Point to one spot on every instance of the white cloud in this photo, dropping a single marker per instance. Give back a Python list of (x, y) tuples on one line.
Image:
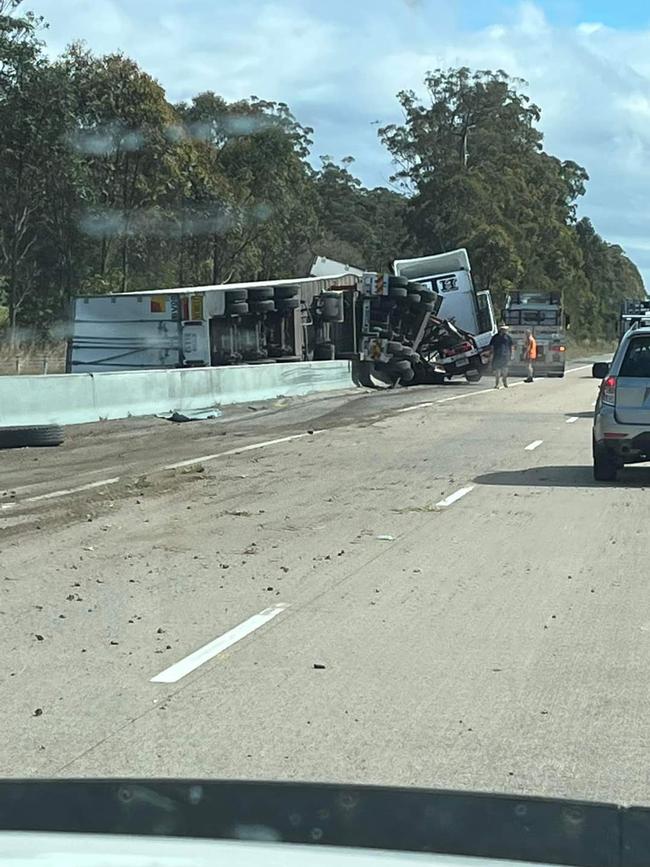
[(340, 64)]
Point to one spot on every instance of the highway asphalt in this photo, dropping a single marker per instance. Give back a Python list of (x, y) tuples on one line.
[(420, 587)]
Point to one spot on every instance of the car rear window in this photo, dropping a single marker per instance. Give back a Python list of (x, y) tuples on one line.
[(637, 358)]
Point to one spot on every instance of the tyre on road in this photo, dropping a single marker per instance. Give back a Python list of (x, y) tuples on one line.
[(237, 308), (266, 306), (605, 464), (40, 435), (473, 376)]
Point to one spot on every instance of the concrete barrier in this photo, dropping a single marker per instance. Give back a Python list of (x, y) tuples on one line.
[(76, 398)]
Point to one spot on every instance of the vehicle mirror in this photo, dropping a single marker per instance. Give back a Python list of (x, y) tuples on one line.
[(600, 369)]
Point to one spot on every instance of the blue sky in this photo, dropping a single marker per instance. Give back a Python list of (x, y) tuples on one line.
[(339, 64)]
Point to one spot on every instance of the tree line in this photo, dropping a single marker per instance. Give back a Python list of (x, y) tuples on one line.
[(108, 186)]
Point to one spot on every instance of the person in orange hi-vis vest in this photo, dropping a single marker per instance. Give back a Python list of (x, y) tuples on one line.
[(530, 354)]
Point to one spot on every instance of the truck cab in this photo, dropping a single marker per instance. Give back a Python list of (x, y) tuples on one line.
[(543, 315), (450, 276)]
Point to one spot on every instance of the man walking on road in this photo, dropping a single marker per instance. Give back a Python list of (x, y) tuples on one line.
[(530, 354), (501, 345)]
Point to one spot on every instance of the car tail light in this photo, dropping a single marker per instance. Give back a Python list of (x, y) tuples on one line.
[(463, 347), (608, 390)]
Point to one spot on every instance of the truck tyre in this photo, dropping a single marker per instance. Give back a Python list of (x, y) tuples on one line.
[(233, 295), (266, 306), (407, 352), (473, 376), (394, 348), (324, 352), (414, 298), (263, 293), (407, 376), (400, 366), (397, 282), (331, 306), (287, 291), (41, 435), (426, 307), (238, 308), (605, 465), (285, 304), (397, 292)]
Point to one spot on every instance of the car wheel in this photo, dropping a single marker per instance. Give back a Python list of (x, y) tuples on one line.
[(473, 376), (605, 464)]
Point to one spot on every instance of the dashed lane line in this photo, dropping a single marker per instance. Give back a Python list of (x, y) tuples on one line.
[(534, 445), (204, 654), (453, 498)]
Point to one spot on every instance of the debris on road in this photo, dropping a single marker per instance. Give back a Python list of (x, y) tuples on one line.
[(386, 537)]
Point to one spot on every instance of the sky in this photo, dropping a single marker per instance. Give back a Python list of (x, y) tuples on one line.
[(340, 63)]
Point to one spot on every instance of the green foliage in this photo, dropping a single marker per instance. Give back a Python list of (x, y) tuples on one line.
[(107, 186), (478, 177)]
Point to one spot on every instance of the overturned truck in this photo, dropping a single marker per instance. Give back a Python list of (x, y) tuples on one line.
[(392, 325)]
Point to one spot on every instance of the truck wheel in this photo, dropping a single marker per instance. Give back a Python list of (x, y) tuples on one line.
[(266, 306), (473, 376), (238, 308), (397, 292), (331, 306), (233, 295), (42, 435), (263, 293), (394, 348), (287, 291), (407, 376), (400, 366), (426, 306), (324, 352), (414, 298), (605, 465), (397, 282), (285, 304)]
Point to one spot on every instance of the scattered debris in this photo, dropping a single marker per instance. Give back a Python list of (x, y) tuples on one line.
[(38, 712), (319, 665), (386, 537)]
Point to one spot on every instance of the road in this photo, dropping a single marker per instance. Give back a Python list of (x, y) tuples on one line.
[(447, 598)]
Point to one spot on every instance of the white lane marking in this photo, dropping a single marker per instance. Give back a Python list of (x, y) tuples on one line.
[(417, 406), (571, 420), (64, 492), (452, 498), (573, 369), (184, 666), (237, 451), (469, 394), (534, 445), (480, 391), (67, 491)]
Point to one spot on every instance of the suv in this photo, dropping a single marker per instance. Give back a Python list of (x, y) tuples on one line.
[(621, 433)]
